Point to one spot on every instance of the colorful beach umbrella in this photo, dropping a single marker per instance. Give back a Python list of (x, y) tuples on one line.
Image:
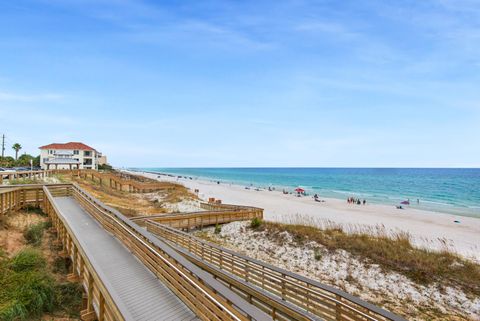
[(299, 190)]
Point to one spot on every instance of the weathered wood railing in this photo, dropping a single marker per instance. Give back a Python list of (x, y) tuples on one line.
[(321, 300), (99, 305), (281, 294), (207, 297), (217, 215), (277, 308)]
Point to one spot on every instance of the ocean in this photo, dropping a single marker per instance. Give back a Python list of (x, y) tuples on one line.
[(455, 191)]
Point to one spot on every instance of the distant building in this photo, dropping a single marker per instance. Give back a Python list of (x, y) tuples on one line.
[(71, 155), (102, 160)]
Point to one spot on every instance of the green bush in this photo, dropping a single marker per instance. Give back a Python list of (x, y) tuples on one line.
[(218, 229), (256, 223), (27, 260), (26, 288), (34, 233)]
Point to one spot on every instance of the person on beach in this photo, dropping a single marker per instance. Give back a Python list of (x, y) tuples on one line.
[(364, 202)]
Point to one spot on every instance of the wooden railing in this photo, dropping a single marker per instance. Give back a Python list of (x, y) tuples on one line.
[(11, 176), (216, 215), (318, 299), (207, 297), (117, 182), (15, 197), (210, 279), (100, 304)]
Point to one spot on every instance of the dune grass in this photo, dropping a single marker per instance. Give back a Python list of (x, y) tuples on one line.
[(391, 252), (34, 233), (28, 289), (20, 181)]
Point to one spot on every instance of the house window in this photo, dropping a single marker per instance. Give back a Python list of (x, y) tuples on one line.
[(50, 151), (45, 160), (75, 152), (87, 153)]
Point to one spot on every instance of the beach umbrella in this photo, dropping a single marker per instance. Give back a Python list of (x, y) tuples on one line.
[(405, 203), (299, 190)]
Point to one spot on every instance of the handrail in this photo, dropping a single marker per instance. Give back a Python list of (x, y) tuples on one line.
[(15, 197), (202, 218), (204, 249), (102, 288), (178, 259), (275, 306), (118, 182), (198, 279)]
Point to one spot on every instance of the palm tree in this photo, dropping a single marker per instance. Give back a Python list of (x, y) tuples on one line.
[(17, 148)]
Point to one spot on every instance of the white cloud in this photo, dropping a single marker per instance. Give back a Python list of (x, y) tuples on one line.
[(13, 97)]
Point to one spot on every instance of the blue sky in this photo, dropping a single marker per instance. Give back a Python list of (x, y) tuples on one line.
[(245, 83)]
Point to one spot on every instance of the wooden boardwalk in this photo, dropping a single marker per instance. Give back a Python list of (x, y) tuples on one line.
[(136, 291)]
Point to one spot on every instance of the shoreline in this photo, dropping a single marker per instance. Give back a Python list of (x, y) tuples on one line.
[(419, 203), (429, 229)]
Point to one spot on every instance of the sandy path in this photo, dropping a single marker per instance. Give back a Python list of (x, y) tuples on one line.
[(427, 228)]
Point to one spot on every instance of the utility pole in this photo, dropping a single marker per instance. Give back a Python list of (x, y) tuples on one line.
[(3, 145)]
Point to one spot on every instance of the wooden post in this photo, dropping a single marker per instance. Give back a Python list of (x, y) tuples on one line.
[(90, 292), (101, 312)]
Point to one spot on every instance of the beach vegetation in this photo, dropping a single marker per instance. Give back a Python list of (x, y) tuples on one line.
[(218, 229), (20, 181), (391, 252), (256, 222), (34, 233), (28, 289)]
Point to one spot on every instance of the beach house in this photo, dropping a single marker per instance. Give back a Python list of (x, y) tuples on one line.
[(72, 155)]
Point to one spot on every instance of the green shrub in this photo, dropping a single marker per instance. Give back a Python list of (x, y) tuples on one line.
[(256, 223), (13, 310), (27, 260), (26, 288), (34, 233), (317, 254), (218, 229)]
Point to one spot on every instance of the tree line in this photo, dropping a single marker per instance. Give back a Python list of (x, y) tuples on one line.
[(19, 161)]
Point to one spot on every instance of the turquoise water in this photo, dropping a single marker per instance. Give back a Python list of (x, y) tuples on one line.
[(455, 191)]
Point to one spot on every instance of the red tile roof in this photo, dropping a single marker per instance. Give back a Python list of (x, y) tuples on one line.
[(71, 145)]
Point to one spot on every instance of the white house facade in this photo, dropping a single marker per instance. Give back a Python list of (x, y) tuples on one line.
[(73, 155)]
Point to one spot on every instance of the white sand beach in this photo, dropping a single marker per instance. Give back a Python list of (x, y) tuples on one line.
[(430, 229)]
